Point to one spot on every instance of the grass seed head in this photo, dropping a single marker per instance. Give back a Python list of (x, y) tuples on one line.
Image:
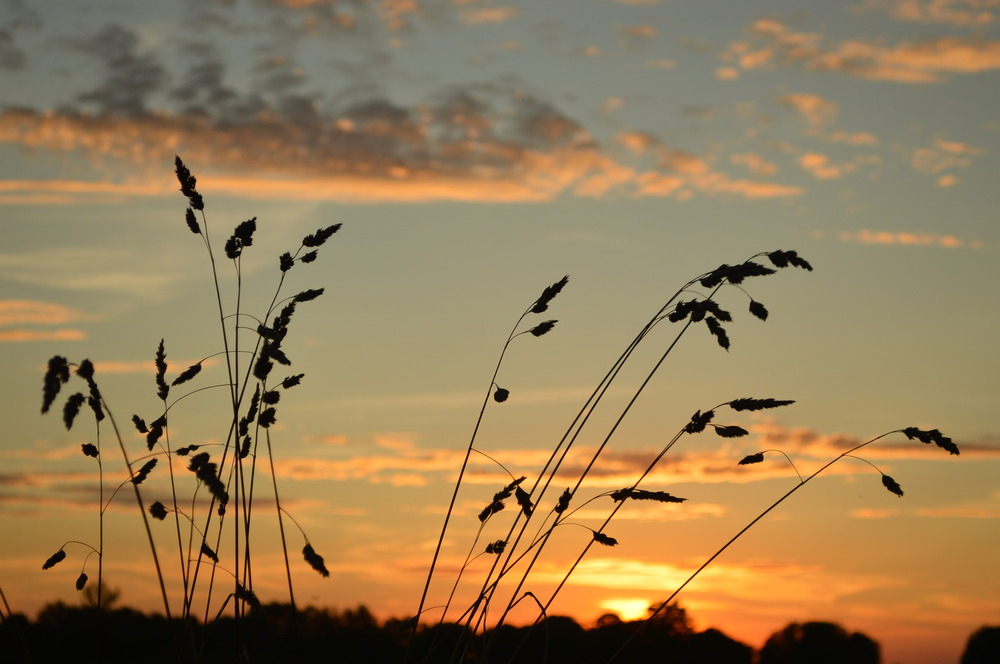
[(699, 421), (143, 472), (268, 416), (750, 404), (247, 596), (490, 510), (542, 328), (524, 500), (162, 389), (931, 436), (563, 503), (892, 485), (758, 310), (158, 511), (496, 547), (188, 184), (94, 402), (54, 559), (187, 374), (601, 538), (731, 431), (291, 381), (72, 409), (542, 303), (206, 551), (315, 560), (192, 222), (782, 259), (56, 375), (642, 494), (320, 236)]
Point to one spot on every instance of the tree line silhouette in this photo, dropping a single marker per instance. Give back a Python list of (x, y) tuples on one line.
[(280, 633)]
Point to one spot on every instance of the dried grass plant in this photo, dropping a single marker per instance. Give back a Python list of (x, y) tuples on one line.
[(506, 581), (212, 492)]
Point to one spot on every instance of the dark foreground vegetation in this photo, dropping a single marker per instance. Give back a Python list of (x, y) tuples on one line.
[(277, 633)]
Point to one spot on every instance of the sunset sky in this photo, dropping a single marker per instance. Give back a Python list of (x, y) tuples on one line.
[(475, 152)]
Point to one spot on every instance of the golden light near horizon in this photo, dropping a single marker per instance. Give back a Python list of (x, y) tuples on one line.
[(475, 154), (627, 608)]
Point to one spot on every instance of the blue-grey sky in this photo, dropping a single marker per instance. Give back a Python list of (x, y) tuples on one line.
[(475, 152)]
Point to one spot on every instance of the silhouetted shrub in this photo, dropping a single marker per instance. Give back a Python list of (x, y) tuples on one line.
[(819, 643), (983, 646)]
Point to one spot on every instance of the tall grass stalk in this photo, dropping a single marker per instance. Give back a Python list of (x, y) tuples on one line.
[(890, 484), (520, 550), (229, 482)]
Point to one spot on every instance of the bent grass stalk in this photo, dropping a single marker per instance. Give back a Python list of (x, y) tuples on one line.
[(692, 311), (499, 395), (910, 432), (508, 550)]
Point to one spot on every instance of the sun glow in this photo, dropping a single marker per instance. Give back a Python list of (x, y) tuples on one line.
[(627, 608)]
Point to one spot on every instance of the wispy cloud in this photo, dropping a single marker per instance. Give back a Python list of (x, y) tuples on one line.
[(38, 313), (489, 142), (908, 238), (959, 512), (816, 110), (819, 166), (483, 15), (959, 13), (65, 192), (942, 156), (406, 463), (755, 163), (772, 44), (853, 138), (91, 268), (21, 336)]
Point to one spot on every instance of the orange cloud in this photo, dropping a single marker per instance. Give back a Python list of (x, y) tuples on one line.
[(640, 32), (488, 15), (816, 110), (396, 13), (404, 464), (376, 152), (754, 163), (959, 512), (775, 45), (820, 167), (147, 366), (857, 138), (727, 73), (942, 156), (20, 336), (34, 312), (960, 13), (907, 238)]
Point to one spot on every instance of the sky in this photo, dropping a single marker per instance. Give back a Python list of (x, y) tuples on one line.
[(474, 153)]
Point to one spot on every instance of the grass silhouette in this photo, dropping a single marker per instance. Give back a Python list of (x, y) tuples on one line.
[(214, 493), (207, 529)]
